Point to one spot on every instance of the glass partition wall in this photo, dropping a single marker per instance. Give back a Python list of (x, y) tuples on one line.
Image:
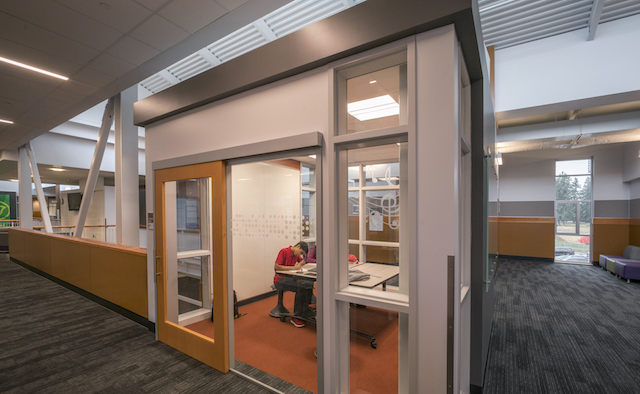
[(273, 207), (371, 144)]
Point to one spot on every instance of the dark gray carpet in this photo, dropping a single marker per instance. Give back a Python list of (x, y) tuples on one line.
[(53, 340), (562, 328)]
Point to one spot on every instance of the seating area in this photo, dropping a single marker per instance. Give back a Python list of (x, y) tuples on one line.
[(626, 266)]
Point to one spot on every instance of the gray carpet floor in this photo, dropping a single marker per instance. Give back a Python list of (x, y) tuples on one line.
[(53, 340), (563, 328)]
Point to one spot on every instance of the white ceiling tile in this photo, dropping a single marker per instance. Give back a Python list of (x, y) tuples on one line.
[(67, 97), (192, 15), (231, 4), (110, 65), (133, 51), (78, 87), (32, 36), (24, 88), (159, 33), (93, 77), (64, 21), (153, 5), (12, 109), (122, 15), (35, 58)]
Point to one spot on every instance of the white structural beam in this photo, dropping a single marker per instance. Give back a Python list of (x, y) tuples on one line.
[(24, 191), (126, 175), (90, 185), (44, 208), (594, 18)]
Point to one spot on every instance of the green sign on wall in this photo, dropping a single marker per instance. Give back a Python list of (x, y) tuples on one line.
[(5, 208)]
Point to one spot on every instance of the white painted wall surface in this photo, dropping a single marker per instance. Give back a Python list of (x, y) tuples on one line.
[(438, 152), (8, 186), (265, 218), (530, 176), (634, 189), (567, 67), (631, 161)]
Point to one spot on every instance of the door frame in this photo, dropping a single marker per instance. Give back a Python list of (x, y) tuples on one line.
[(213, 352)]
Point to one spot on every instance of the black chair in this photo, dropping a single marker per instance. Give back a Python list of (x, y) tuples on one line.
[(279, 309)]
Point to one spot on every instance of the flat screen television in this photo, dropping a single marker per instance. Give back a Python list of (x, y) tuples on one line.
[(74, 201)]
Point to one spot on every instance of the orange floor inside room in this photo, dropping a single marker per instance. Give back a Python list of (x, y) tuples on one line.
[(287, 352)]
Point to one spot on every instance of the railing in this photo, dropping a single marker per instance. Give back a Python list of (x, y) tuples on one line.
[(106, 233)]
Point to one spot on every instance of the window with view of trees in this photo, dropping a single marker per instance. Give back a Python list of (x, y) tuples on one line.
[(573, 210)]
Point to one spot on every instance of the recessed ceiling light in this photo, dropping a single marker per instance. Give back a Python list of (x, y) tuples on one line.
[(28, 67), (312, 156), (373, 108), (5, 121), (374, 81), (14, 180), (57, 169)]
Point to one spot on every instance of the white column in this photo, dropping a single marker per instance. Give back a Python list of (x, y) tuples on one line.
[(44, 208), (24, 191), (92, 178), (126, 177)]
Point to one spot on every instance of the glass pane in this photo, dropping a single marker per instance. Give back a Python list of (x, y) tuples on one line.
[(585, 218), (573, 167), (383, 215), (368, 371), (354, 215), (308, 224), (573, 248), (354, 249), (194, 290), (192, 208), (382, 254), (354, 176), (374, 99), (382, 174), (573, 188), (566, 214), (308, 176), (273, 208)]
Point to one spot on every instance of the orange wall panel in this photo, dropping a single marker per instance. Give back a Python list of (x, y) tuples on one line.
[(610, 236), (121, 278), (38, 251), (70, 262), (528, 237), (16, 244)]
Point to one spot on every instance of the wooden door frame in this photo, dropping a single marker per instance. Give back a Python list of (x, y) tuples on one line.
[(213, 352)]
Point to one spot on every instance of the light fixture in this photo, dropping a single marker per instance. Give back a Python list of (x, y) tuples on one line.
[(499, 158), (312, 156), (374, 108), (5, 121), (374, 81), (57, 169), (39, 70), (14, 180)]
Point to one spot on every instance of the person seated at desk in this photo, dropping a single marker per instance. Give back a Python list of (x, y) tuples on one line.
[(290, 259)]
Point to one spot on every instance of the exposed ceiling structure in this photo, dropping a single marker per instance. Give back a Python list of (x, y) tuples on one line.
[(106, 46), (507, 23), (103, 47)]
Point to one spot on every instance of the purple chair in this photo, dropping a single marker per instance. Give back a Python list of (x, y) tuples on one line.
[(627, 269)]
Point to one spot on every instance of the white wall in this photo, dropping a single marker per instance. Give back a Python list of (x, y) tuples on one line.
[(265, 218), (8, 186), (530, 176), (631, 161), (567, 67)]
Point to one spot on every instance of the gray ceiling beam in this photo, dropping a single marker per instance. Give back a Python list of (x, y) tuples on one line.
[(594, 19)]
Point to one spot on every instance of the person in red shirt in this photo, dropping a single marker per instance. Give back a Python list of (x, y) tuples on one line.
[(291, 259)]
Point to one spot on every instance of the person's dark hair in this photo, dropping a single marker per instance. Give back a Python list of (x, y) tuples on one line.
[(303, 246)]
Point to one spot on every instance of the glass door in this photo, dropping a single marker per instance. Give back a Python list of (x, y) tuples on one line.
[(573, 211), (191, 261)]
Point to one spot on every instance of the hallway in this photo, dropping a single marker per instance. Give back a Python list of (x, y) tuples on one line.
[(55, 341)]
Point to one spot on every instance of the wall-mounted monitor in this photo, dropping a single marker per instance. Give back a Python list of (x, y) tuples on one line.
[(74, 201)]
